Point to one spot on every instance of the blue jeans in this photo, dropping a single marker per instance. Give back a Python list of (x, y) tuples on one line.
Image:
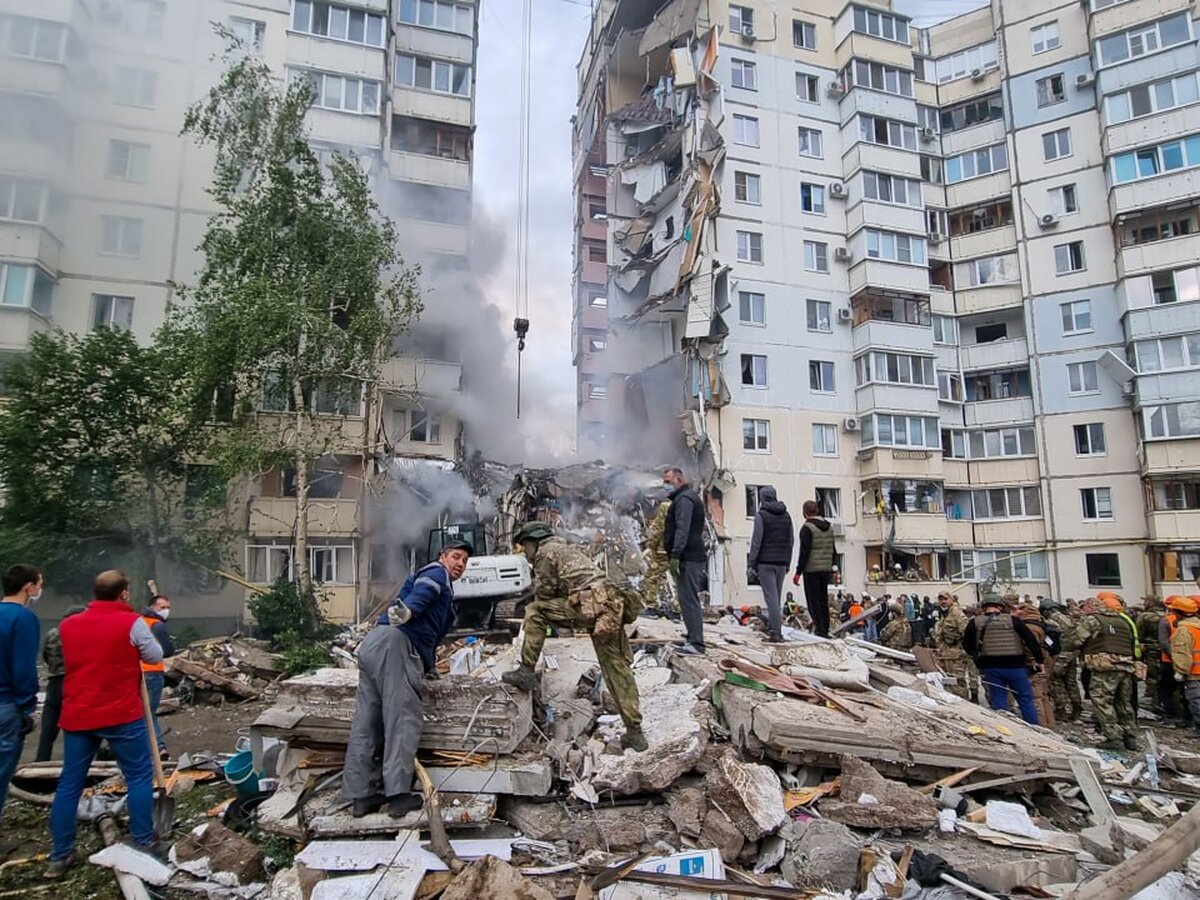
[(1000, 681), (12, 742), (132, 749), (154, 687)]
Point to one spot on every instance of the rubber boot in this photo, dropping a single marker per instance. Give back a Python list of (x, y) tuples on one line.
[(522, 679), (634, 739)]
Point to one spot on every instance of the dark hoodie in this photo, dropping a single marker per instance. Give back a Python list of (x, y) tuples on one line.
[(771, 543)]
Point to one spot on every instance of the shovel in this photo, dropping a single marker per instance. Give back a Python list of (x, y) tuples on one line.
[(164, 803)]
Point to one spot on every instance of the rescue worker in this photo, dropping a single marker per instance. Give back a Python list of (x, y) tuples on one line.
[(997, 641), (1064, 682), (1039, 677), (1147, 622), (393, 660), (687, 556), (155, 616), (569, 591), (655, 579), (1170, 697), (1185, 653), (948, 649), (897, 633), (1107, 641)]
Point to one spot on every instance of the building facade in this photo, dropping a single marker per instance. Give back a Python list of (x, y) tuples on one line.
[(940, 281), (104, 204)]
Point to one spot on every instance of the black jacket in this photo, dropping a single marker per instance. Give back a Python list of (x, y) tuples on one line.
[(159, 630), (683, 536), (771, 543)]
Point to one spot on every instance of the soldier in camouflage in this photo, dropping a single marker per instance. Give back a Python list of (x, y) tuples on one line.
[(56, 670), (949, 652), (1064, 681), (1108, 642), (655, 581), (570, 592), (897, 633), (1147, 622)]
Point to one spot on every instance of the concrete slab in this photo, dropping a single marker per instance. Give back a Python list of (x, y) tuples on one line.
[(518, 777), (405, 852), (327, 816), (389, 884), (749, 793), (573, 658)]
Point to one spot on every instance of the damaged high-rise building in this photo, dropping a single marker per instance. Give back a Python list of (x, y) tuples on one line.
[(941, 281)]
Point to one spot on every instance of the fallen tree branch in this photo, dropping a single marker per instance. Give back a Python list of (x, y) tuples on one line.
[(439, 843)]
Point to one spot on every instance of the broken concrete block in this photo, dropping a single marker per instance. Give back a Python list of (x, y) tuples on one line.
[(131, 861), (895, 805), (493, 879), (830, 662), (286, 885), (520, 777), (720, 832), (749, 793), (213, 851), (686, 807), (819, 854), (602, 828), (386, 884)]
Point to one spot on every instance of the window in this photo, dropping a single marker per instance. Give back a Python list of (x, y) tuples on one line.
[(1006, 503), (804, 35), (754, 370), (328, 563), (756, 435), (818, 315), (752, 308), (38, 39), (965, 62), (441, 14), (1069, 258), (250, 33), (996, 443), (741, 18), (810, 142), (597, 345), (892, 189), (945, 330), (341, 23), (743, 74), (820, 376), (424, 427), (808, 88), (412, 135), (824, 440), (829, 503), (1056, 144), (1179, 286), (338, 92), (433, 75), (1151, 161), (1082, 378), (987, 270), (1175, 495), (144, 17), (1164, 354), (1096, 502), (598, 301), (976, 163), (1045, 37), (1001, 565), (950, 387), (752, 500), (816, 256), (120, 236), (883, 430), (999, 384), (1063, 200), (21, 199), (880, 25), (972, 112), (25, 286), (749, 247), (1103, 570), (812, 198), (1172, 420), (1160, 227), (597, 391), (747, 188), (903, 248), (597, 253), (128, 161), (745, 130), (1143, 39), (894, 368), (931, 169), (1089, 439), (879, 77), (1157, 96), (1076, 316), (136, 87), (1050, 90), (875, 130), (109, 311)]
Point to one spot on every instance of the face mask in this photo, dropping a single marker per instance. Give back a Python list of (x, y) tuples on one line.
[(34, 598), (164, 614)]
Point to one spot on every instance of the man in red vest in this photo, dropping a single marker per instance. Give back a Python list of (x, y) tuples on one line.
[(103, 648)]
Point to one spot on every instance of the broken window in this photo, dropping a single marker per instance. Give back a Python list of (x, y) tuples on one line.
[(425, 427), (411, 135), (109, 311), (752, 500), (829, 503), (754, 370), (1051, 89), (1103, 569)]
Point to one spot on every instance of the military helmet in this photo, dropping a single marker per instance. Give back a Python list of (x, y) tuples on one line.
[(1049, 603), (532, 531), (993, 600)]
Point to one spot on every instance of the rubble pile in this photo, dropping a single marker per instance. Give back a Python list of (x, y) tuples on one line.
[(218, 669)]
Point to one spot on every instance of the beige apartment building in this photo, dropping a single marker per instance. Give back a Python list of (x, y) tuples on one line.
[(102, 206), (943, 281)]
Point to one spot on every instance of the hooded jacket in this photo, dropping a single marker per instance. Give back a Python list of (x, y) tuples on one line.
[(772, 540), (683, 536), (817, 549)]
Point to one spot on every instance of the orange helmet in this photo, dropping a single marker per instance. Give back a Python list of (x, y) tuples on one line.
[(1173, 601), (1111, 600), (1188, 606)]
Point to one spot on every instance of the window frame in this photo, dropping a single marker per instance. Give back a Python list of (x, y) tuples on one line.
[(1037, 32), (826, 429), (819, 252), (1048, 96), (752, 240), (1057, 137), (114, 301), (403, 8), (745, 71), (128, 229), (816, 198), (1109, 580), (749, 179), (135, 153), (1075, 258), (745, 122), (349, 11), (1069, 307), (804, 32), (1089, 439), (758, 437), (821, 371), (805, 137), (754, 371), (319, 80), (750, 297), (1082, 368), (812, 313), (455, 71), (812, 87)]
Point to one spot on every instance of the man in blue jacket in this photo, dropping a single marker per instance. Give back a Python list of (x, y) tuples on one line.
[(392, 663), (20, 635)]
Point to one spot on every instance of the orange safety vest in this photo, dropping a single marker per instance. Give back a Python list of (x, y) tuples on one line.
[(1195, 670), (855, 609), (1173, 620), (151, 621)]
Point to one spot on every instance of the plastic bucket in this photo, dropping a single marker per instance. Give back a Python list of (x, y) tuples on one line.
[(239, 772)]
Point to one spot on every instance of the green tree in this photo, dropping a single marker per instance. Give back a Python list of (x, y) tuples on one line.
[(302, 292), (93, 448)]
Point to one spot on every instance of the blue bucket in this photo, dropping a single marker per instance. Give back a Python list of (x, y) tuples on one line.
[(239, 772)]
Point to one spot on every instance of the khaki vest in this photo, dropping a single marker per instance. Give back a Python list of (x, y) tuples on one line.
[(820, 553), (997, 636), (1117, 636)]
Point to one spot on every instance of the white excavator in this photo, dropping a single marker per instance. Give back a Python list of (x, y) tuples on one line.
[(490, 580)]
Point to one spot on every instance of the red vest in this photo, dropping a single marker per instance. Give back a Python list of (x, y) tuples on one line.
[(102, 687)]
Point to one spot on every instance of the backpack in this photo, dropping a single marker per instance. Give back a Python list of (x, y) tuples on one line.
[(1053, 640)]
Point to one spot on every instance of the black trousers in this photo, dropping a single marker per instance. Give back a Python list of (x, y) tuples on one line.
[(816, 598), (50, 713)]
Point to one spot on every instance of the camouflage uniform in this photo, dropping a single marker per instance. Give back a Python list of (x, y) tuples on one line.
[(52, 654), (1064, 683), (1147, 627), (950, 655), (1039, 681), (897, 633), (569, 592), (1112, 682), (655, 581)]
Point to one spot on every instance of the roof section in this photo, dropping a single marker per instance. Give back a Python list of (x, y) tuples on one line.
[(644, 109)]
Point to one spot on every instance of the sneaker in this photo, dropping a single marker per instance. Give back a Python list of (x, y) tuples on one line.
[(58, 867), (690, 650), (522, 679), (364, 806), (402, 804), (634, 739)]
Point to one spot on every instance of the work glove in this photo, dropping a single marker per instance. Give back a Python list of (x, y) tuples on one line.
[(673, 567), (796, 579), (1179, 677), (398, 613), (26, 725)]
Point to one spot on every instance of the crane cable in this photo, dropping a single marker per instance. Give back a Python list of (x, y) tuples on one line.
[(521, 278)]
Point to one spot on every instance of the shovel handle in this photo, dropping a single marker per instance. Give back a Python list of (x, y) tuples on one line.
[(159, 778)]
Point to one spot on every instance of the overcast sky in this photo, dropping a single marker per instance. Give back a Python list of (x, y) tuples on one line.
[(560, 27)]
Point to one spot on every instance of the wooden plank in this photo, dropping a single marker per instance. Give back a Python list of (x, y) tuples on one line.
[(1093, 791)]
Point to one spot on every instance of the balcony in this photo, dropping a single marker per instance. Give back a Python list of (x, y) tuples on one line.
[(865, 46), (422, 104), (955, 472), (991, 242), (912, 529), (903, 398), (1174, 187), (882, 215), (987, 297), (977, 190), (979, 135), (867, 273), (1003, 471), (344, 129), (26, 242), (1125, 15), (862, 155), (1140, 132), (1166, 387), (34, 77), (1170, 457), (960, 533), (418, 167), (882, 335), (436, 237), (343, 57), (18, 324), (1174, 526), (885, 462), (877, 103), (276, 517), (985, 413), (1163, 319), (995, 354), (339, 434), (1173, 253), (1013, 533), (954, 92), (439, 44), (428, 376)]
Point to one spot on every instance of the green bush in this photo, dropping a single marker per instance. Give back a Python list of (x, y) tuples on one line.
[(284, 607), (298, 655)]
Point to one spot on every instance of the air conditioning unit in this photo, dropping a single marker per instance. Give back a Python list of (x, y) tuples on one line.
[(1049, 220), (748, 33), (935, 238), (1084, 79), (928, 134), (977, 74), (836, 89), (842, 254), (837, 189), (844, 315), (850, 424)]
